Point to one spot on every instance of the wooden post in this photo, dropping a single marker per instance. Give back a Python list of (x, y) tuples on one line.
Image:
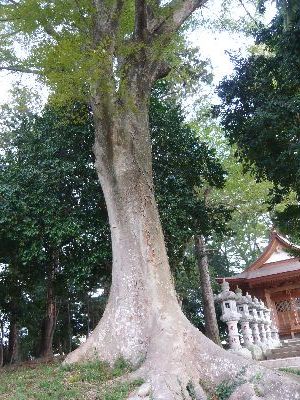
[(272, 307)]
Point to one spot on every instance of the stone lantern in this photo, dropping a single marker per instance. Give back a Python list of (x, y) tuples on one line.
[(244, 304), (254, 321), (268, 322), (275, 335), (242, 307), (230, 316), (260, 307)]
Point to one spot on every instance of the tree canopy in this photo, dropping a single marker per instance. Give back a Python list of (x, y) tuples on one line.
[(260, 112)]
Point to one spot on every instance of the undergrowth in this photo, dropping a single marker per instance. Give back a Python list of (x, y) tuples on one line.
[(90, 381)]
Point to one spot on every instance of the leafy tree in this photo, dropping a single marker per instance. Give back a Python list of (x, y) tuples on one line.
[(181, 163), (113, 52), (288, 10), (247, 198), (261, 115), (47, 185)]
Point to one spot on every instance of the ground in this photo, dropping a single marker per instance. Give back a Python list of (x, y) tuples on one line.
[(45, 381), (90, 381)]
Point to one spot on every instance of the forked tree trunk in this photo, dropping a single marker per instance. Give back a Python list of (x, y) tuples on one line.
[(210, 318), (143, 321)]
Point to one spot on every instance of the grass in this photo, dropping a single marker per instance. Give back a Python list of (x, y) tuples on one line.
[(91, 381), (225, 389), (295, 371)]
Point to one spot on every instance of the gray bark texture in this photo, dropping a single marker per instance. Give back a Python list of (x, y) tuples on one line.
[(143, 321), (210, 318), (13, 341), (50, 318)]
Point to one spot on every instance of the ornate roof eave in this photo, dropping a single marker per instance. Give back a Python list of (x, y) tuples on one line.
[(275, 239), (240, 280)]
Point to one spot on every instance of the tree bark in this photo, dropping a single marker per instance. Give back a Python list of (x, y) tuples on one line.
[(210, 318), (13, 341), (70, 328), (88, 319), (49, 321), (1, 343), (143, 321)]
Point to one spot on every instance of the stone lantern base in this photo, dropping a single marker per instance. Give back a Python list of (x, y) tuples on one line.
[(256, 351), (242, 351)]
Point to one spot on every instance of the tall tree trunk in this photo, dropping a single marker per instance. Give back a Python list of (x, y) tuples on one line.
[(13, 341), (210, 318), (88, 319), (143, 321), (49, 321), (70, 328), (1, 343)]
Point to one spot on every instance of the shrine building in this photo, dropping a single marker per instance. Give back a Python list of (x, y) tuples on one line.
[(275, 278)]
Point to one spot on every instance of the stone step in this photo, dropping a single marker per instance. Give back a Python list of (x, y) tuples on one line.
[(290, 342), (282, 363), (287, 348), (283, 354)]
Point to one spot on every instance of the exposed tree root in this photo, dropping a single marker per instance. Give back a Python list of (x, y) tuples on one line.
[(181, 363)]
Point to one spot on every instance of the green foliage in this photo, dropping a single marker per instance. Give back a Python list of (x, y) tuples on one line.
[(52, 202), (250, 221), (260, 113), (58, 42), (182, 165), (121, 366), (246, 197), (288, 10)]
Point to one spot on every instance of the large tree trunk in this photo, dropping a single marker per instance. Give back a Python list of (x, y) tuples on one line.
[(143, 321), (210, 318)]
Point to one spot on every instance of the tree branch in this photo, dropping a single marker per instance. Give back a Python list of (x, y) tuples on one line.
[(177, 12), (18, 68), (9, 19), (117, 13), (9, 34), (107, 18), (248, 13), (140, 18), (50, 31)]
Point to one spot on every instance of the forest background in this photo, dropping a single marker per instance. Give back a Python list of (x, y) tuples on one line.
[(55, 252)]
